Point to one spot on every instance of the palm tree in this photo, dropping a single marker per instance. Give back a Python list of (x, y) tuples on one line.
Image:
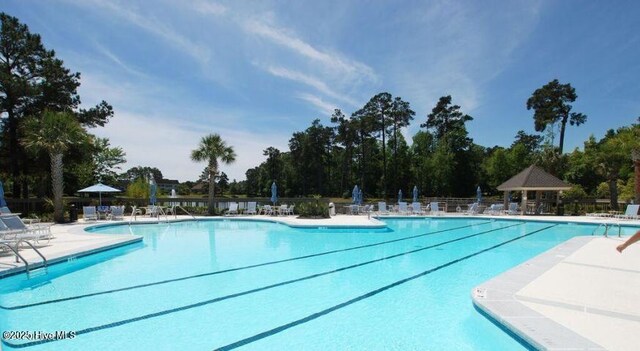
[(54, 133), (211, 149)]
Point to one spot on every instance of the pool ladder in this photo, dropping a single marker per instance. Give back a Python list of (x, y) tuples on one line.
[(19, 257), (607, 226)]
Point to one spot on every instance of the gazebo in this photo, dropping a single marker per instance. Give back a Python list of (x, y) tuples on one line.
[(533, 178)]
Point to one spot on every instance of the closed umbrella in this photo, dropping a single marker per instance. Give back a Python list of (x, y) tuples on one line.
[(153, 189), (3, 203), (400, 196), (415, 193), (479, 194), (274, 193), (99, 188), (354, 195), (360, 197)]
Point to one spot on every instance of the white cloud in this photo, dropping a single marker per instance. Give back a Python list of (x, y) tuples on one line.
[(325, 107), (309, 80), (152, 25), (209, 7), (330, 61), (167, 144)]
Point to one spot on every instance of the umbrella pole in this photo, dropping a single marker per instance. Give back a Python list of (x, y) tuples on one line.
[(100, 197)]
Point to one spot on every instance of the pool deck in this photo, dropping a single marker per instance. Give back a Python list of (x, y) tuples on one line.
[(580, 295)]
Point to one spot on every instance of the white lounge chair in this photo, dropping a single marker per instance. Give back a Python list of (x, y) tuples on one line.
[(282, 210), (403, 208), (382, 208), (494, 209), (21, 231), (630, 213), (89, 213), (233, 208), (117, 213), (513, 209), (266, 210), (472, 210), (417, 208), (435, 209), (251, 208)]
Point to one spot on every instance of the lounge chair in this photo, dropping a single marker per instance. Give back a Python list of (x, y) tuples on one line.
[(382, 208), (354, 209), (20, 231), (494, 210), (282, 210), (417, 208), (251, 208), (89, 213), (290, 210), (630, 213), (472, 210), (233, 208), (403, 208), (117, 212), (266, 210), (435, 209), (513, 209)]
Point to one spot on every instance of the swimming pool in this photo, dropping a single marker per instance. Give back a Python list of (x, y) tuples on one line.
[(226, 284)]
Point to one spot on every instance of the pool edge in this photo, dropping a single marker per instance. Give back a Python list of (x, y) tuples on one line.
[(496, 300)]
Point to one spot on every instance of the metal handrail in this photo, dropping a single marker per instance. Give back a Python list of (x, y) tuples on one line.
[(182, 208), (44, 259), (26, 264), (608, 225)]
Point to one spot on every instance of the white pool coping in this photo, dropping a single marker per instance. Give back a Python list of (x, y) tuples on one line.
[(580, 295)]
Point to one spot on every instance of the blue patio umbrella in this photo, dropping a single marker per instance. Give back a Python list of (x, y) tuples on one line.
[(153, 189), (360, 197), (3, 203), (415, 193), (400, 196), (479, 194), (274, 193), (354, 194)]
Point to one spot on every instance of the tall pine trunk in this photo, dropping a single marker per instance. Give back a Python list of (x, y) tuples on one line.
[(57, 184)]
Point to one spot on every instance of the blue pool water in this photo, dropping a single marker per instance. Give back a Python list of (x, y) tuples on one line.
[(265, 286)]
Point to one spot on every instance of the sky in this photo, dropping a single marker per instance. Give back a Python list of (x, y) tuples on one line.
[(255, 72)]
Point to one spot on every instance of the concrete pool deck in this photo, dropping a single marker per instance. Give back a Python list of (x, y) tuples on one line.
[(580, 295)]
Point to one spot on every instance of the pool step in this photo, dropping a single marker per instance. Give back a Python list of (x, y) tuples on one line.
[(38, 272)]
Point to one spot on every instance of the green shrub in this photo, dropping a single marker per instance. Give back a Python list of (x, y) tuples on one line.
[(313, 209)]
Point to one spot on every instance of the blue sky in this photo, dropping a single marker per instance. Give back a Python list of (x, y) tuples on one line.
[(256, 71)]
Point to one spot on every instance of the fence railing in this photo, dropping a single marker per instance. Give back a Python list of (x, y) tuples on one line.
[(449, 204)]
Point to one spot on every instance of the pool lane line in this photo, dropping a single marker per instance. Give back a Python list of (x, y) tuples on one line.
[(18, 307), (365, 296), (247, 292)]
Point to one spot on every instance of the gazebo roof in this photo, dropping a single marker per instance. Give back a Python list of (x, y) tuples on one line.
[(533, 178)]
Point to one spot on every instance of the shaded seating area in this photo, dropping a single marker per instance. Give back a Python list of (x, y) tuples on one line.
[(532, 179)]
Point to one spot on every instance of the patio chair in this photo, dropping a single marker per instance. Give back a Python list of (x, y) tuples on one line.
[(171, 210), (282, 210), (266, 210), (472, 210), (21, 231), (117, 212), (435, 209), (417, 208), (513, 209), (630, 213), (382, 208), (251, 208), (233, 208), (403, 208), (89, 213), (290, 210)]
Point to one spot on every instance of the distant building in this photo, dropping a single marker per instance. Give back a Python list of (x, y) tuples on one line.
[(200, 188)]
